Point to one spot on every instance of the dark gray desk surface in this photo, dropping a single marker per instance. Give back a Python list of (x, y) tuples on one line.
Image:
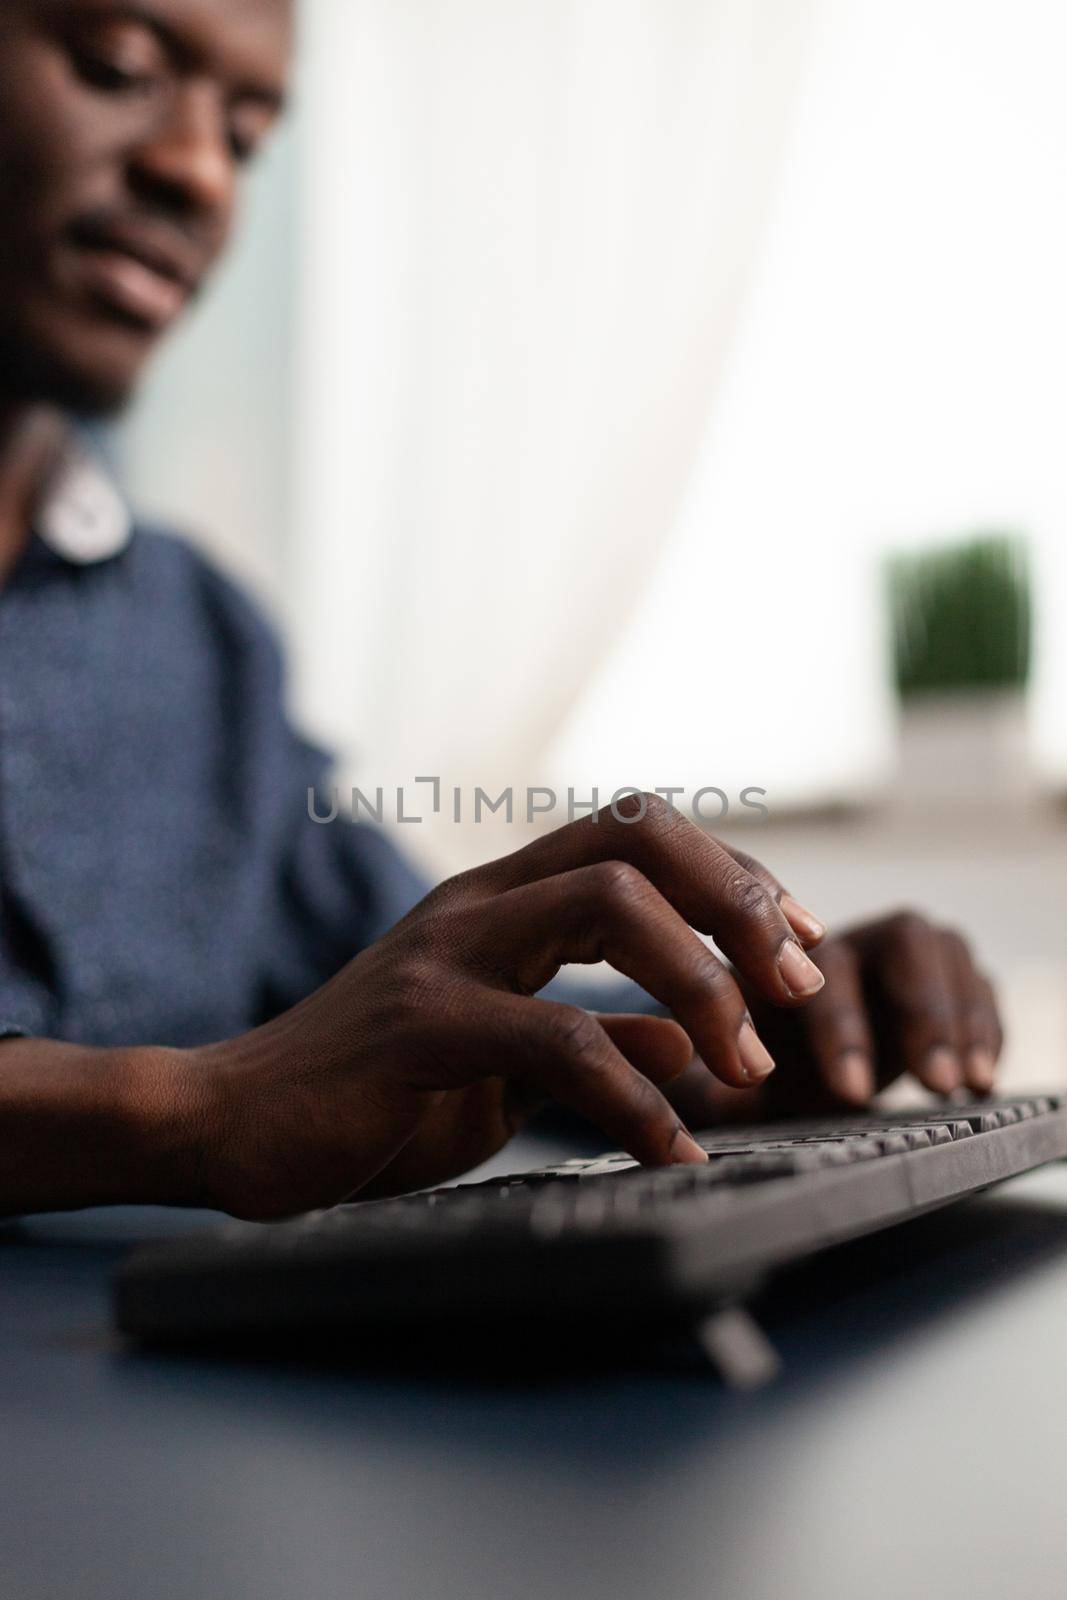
[(917, 1444)]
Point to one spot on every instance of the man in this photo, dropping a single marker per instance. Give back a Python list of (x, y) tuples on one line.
[(206, 998)]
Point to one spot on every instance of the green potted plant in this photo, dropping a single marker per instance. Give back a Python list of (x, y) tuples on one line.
[(961, 626)]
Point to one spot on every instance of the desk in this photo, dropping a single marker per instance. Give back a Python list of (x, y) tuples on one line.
[(916, 1444)]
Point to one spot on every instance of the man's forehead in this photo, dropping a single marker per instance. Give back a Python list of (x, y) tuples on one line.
[(255, 36)]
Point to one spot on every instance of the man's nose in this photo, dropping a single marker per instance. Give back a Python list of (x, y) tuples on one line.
[(185, 161)]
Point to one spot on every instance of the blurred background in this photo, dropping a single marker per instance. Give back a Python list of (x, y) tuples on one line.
[(670, 393)]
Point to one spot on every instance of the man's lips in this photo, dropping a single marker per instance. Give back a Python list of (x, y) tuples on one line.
[(131, 288), (142, 273)]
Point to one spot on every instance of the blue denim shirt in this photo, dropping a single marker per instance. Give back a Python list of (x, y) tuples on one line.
[(161, 881)]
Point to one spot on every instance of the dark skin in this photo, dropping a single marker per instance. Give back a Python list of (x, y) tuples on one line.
[(123, 133), (113, 124)]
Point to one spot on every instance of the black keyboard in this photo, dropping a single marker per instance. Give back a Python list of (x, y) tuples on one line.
[(594, 1235)]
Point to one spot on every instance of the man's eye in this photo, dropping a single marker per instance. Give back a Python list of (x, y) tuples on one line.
[(102, 73), (248, 132), (242, 143), (119, 57)]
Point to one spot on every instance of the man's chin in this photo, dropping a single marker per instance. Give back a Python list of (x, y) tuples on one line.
[(39, 375), (57, 352)]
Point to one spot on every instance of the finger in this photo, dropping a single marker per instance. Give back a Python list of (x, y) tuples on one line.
[(567, 1053), (990, 992), (656, 1046), (992, 1007), (977, 1026), (700, 879), (610, 912), (804, 923), (837, 1027), (908, 968)]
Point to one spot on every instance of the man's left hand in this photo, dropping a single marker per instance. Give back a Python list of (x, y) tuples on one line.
[(902, 995)]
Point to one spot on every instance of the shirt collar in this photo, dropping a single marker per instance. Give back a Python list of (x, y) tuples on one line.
[(82, 516)]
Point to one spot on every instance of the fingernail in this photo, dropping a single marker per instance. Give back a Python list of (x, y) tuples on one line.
[(757, 1062), (800, 976), (684, 1147), (854, 1076), (981, 1068), (801, 920), (942, 1069)]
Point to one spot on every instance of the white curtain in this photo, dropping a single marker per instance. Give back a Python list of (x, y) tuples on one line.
[(526, 228), (898, 378), (566, 267)]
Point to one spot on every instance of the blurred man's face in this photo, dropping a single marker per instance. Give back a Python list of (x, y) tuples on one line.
[(123, 129)]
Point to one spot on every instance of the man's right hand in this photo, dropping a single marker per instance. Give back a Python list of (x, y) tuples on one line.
[(422, 1057)]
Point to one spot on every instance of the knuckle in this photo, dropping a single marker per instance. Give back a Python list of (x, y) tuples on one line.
[(758, 870), (618, 883), (420, 942), (449, 935), (454, 891), (658, 814), (749, 897), (956, 944), (907, 927), (650, 813), (417, 982), (569, 1031)]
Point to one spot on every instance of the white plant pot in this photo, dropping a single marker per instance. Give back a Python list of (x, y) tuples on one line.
[(967, 749)]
